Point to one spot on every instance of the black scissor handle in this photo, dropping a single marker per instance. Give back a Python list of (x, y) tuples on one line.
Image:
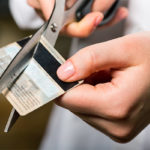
[(86, 6)]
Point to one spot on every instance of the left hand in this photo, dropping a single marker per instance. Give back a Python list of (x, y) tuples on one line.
[(115, 97), (88, 24)]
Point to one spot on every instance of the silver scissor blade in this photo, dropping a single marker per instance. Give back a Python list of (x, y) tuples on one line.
[(59, 18), (16, 68), (13, 117), (23, 57), (55, 22), (21, 60)]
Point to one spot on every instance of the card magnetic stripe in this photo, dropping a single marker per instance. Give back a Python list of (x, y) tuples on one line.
[(50, 64), (23, 42)]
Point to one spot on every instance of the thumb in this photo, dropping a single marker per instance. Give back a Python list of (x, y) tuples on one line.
[(112, 54)]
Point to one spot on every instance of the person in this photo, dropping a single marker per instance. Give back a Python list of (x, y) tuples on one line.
[(87, 27), (119, 106)]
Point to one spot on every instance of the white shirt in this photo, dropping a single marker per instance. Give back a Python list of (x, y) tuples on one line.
[(138, 19), (24, 15)]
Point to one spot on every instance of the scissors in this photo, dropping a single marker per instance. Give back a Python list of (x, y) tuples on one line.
[(61, 16)]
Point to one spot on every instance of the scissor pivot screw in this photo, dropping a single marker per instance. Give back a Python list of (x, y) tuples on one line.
[(54, 27)]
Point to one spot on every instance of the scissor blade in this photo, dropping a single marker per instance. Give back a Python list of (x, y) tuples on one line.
[(23, 57), (55, 22), (59, 19), (20, 61), (16, 68), (13, 117)]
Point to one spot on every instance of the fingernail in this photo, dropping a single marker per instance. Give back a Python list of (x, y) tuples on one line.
[(66, 70), (98, 20)]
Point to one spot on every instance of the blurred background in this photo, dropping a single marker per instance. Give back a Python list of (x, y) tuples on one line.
[(29, 130)]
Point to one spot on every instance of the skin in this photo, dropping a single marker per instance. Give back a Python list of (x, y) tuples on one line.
[(85, 27), (115, 97)]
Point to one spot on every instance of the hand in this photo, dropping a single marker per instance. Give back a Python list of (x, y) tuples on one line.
[(85, 27), (115, 97)]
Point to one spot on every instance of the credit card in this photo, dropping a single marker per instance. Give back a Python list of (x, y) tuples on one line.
[(39, 83)]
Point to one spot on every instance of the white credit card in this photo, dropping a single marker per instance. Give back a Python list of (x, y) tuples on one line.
[(39, 83)]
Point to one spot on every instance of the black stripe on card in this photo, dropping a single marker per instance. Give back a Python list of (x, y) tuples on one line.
[(50, 65), (23, 42)]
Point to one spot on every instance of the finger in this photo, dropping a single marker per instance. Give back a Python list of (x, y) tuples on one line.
[(120, 131), (102, 5), (95, 58), (34, 3), (121, 14), (117, 99), (78, 100), (47, 7), (85, 27), (70, 3)]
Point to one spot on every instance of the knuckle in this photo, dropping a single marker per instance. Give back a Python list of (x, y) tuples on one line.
[(91, 59), (120, 109), (122, 134), (120, 114)]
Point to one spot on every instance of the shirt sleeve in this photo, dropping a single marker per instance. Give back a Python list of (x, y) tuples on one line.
[(24, 15), (138, 19)]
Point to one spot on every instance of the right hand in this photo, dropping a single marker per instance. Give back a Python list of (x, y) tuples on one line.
[(85, 27)]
